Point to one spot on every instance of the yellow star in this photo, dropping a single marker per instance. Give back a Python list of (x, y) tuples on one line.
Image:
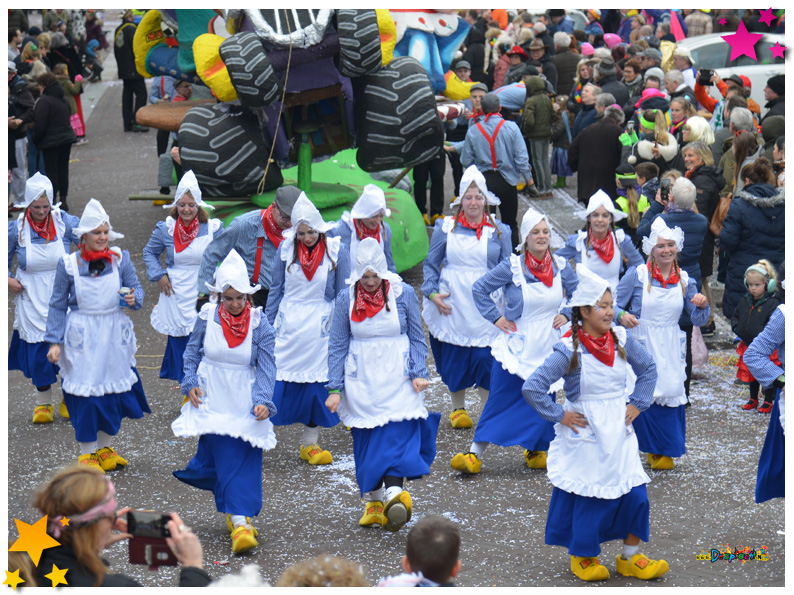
[(12, 579), (33, 539), (57, 576), (64, 522)]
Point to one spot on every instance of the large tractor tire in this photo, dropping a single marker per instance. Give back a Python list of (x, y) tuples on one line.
[(359, 42), (250, 70)]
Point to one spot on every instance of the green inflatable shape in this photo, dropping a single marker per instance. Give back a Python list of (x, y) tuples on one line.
[(192, 23), (409, 235)]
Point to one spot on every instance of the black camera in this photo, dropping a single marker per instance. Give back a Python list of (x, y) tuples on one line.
[(664, 187), (142, 523), (147, 544), (704, 77)]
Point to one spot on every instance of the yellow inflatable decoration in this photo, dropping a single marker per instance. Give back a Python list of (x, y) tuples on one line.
[(388, 35), (148, 35), (456, 88), (210, 66)]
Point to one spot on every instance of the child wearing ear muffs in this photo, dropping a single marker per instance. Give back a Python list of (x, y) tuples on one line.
[(751, 316)]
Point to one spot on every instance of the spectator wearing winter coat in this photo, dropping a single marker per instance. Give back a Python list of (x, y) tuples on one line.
[(587, 114), (543, 35), (652, 98), (734, 159), (538, 50), (518, 65), (93, 30), (134, 85), (633, 79), (694, 129), (675, 86), (723, 137), (561, 21), (654, 142), (682, 60), (773, 128), (754, 229), (584, 75), (62, 53), (731, 21), (538, 119), (595, 154), (775, 95), (698, 23), (500, 59), (606, 78), (565, 61), (475, 55)]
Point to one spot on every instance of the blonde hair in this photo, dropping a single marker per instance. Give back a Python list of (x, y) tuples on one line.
[(771, 275), (323, 571)]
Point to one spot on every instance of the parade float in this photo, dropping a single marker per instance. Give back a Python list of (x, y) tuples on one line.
[(329, 100)]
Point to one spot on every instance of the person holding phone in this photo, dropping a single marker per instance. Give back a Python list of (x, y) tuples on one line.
[(87, 498)]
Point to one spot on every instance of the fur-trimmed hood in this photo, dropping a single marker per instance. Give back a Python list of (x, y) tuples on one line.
[(763, 196), (668, 151)]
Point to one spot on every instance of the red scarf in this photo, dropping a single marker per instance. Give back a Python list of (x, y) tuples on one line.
[(476, 114), (368, 304), (274, 233), (688, 173), (365, 232), (604, 248), (90, 256), (465, 223), (310, 261), (235, 328), (656, 273), (184, 235), (540, 268), (45, 229), (602, 349)]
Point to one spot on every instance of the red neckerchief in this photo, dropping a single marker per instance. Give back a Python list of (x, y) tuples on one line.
[(365, 232), (476, 114), (183, 236), (478, 228), (310, 260), (179, 97), (274, 233), (90, 256), (235, 328), (540, 268), (45, 229), (368, 304), (656, 273), (604, 248), (602, 349), (486, 116), (688, 173)]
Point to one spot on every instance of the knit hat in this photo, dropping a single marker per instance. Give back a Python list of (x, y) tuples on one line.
[(600, 199), (625, 171), (595, 13), (286, 197), (37, 186), (530, 220), (371, 202), (778, 84), (490, 103), (188, 183), (611, 40), (556, 12), (370, 257), (655, 71), (93, 216), (232, 273), (659, 229), (587, 48), (472, 175), (607, 67), (463, 64), (591, 288)]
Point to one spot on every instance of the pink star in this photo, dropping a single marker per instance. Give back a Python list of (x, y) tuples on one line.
[(777, 51), (767, 17), (742, 43), (723, 21)]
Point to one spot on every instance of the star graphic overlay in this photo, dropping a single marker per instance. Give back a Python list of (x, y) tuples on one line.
[(777, 51), (64, 522), (12, 579), (742, 43), (767, 17), (723, 21), (57, 576), (33, 539)]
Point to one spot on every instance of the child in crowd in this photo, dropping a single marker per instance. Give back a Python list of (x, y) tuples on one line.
[(749, 319), (647, 175), (630, 199)]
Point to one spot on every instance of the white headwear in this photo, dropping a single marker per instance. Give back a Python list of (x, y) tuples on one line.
[(232, 273), (370, 257), (601, 199), (371, 202), (188, 183), (530, 220), (590, 289), (35, 187), (659, 229), (304, 211), (93, 216), (474, 176)]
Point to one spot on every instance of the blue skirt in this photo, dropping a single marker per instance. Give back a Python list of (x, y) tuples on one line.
[(582, 524), (302, 402), (462, 367), (771, 481), (31, 360), (172, 366), (231, 469), (91, 414), (507, 419), (400, 448), (662, 430)]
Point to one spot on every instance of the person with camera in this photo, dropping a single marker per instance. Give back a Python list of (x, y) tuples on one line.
[(733, 84), (87, 499)]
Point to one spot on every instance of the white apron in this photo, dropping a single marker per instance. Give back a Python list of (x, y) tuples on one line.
[(303, 321), (377, 386), (99, 347), (33, 304), (467, 261), (354, 241), (521, 352), (175, 315), (225, 377), (608, 271), (602, 460)]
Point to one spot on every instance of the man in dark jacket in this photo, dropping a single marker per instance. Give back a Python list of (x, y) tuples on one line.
[(134, 84), (475, 54), (538, 51), (775, 95), (606, 78), (565, 61), (675, 87), (20, 108), (595, 154)]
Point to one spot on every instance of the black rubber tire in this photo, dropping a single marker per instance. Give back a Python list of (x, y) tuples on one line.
[(398, 125), (252, 74), (224, 147), (359, 42)]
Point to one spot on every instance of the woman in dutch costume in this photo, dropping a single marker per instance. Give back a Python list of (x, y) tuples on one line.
[(535, 285), (600, 247), (377, 356), (93, 340), (38, 239), (771, 482), (309, 270), (650, 301), (183, 236), (463, 248), (229, 376), (594, 464), (365, 220)]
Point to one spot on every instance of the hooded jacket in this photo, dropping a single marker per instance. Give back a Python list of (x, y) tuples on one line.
[(595, 154), (754, 228), (475, 55), (708, 181), (566, 62), (539, 115), (611, 84), (586, 116), (52, 119)]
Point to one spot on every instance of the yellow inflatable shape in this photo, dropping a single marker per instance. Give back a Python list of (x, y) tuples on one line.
[(388, 35), (210, 66), (667, 48), (456, 88), (148, 35)]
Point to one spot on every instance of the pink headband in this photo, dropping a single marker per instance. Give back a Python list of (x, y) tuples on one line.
[(104, 509)]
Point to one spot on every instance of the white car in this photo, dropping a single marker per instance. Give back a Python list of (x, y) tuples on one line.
[(712, 52)]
